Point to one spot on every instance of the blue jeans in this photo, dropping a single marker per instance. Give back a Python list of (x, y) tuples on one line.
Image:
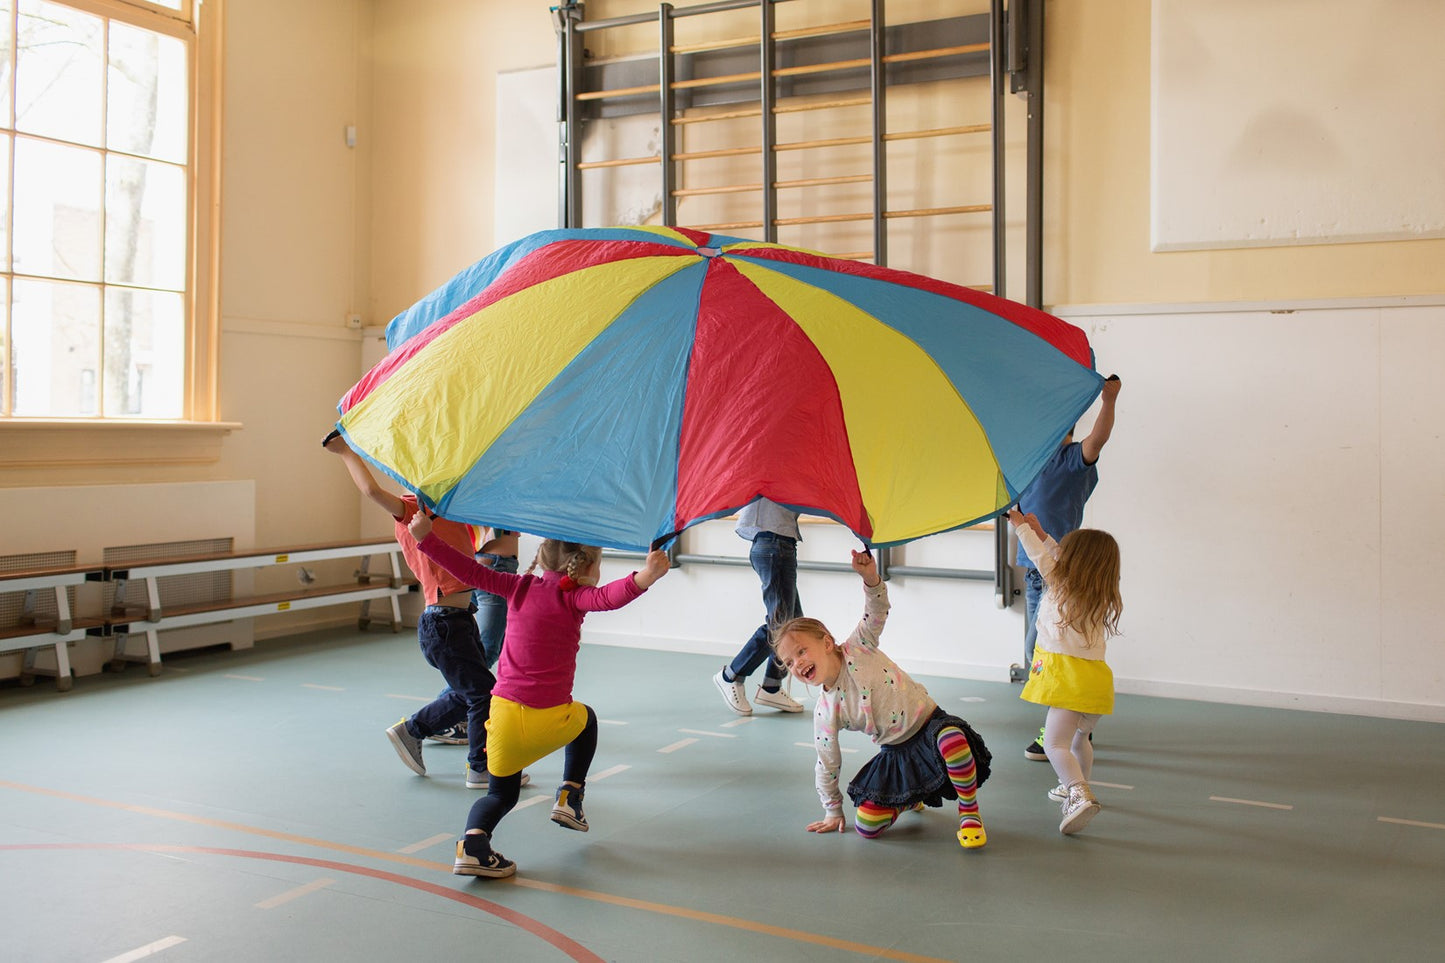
[(492, 609), (775, 559), (1033, 591), (449, 641)]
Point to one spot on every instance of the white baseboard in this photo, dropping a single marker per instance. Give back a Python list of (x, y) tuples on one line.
[(1307, 702)]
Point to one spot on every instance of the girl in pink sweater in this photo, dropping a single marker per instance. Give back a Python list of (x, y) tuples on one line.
[(533, 714)]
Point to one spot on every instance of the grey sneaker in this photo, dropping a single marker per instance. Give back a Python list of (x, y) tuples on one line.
[(779, 700), (1078, 809), (453, 736), (407, 746), (481, 780), (567, 811), (733, 694), (475, 857)]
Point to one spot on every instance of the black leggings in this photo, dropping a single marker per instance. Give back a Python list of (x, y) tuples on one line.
[(502, 791)]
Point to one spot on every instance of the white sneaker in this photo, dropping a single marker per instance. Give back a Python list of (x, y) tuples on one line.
[(733, 694), (1078, 809), (779, 700), (1059, 793)]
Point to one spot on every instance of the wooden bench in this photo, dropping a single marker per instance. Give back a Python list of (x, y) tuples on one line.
[(154, 615), (34, 634)]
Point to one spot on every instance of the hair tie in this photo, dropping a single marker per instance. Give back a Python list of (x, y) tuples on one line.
[(568, 583)]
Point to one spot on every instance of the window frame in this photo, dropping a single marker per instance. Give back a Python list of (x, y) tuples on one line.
[(196, 435)]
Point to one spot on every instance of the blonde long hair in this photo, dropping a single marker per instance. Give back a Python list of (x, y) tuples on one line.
[(571, 558), (1085, 580)]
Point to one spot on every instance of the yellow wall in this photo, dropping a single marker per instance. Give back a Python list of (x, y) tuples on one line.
[(1096, 191)]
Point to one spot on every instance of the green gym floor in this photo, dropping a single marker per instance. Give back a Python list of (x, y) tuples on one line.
[(247, 806)]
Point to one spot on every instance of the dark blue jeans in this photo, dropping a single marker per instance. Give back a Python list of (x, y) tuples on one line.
[(1033, 591), (775, 559), (492, 609), (450, 643)]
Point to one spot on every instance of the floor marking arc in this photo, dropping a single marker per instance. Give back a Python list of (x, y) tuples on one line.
[(431, 866), (540, 930)]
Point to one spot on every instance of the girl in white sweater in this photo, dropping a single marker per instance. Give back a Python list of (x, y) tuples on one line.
[(1077, 613)]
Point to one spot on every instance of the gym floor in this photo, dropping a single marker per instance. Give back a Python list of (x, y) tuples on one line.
[(248, 806)]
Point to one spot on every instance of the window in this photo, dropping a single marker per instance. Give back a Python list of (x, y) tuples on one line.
[(106, 247)]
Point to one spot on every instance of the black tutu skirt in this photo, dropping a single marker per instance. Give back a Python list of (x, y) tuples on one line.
[(913, 772)]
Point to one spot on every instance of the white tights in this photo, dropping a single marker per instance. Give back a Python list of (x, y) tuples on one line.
[(1066, 742)]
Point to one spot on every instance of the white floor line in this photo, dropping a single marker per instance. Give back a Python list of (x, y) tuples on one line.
[(608, 772), (296, 893), (973, 699), (704, 732), (809, 745), (328, 688), (738, 722), (1249, 802), (244, 678), (1411, 822), (427, 843), (611, 722), (534, 801), (409, 698), (1110, 785), (677, 745), (150, 949)]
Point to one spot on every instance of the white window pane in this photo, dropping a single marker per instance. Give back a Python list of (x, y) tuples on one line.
[(145, 223), (56, 349), (5, 143), (6, 378), (147, 108), (57, 210), (145, 350), (58, 78), (7, 44)]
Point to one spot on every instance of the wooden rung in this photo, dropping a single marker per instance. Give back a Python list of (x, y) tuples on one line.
[(789, 107), (723, 152), (730, 189), (828, 142), (863, 216), (730, 115), (778, 185), (619, 92), (783, 72), (851, 26), (936, 211), (785, 107), (936, 52), (711, 228), (619, 162), (854, 256), (820, 181), (940, 132), (796, 145)]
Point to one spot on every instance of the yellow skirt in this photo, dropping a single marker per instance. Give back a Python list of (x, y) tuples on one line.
[(1069, 682), (519, 735)]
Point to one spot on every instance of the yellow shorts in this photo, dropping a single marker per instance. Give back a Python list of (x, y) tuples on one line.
[(519, 735)]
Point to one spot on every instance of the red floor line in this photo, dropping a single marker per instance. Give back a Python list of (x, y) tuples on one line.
[(540, 930)]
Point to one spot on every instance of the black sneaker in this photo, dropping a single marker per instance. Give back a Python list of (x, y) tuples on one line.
[(453, 736), (567, 811), (1035, 751), (475, 857)]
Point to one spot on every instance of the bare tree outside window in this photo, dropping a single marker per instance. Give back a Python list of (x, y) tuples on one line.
[(98, 156)]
